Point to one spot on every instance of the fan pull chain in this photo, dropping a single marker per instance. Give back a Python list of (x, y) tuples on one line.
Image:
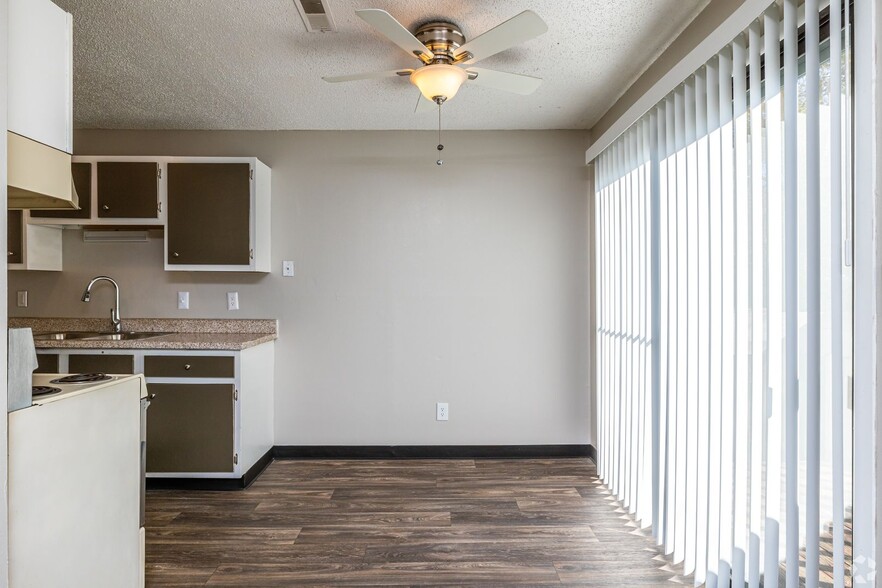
[(440, 146)]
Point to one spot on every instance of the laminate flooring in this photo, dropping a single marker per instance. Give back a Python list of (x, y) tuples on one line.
[(405, 522)]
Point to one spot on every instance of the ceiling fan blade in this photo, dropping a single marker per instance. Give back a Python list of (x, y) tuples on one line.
[(373, 75), (500, 80), (423, 106), (395, 31), (523, 27)]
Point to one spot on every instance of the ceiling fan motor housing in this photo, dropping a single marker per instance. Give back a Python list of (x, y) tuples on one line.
[(442, 39)]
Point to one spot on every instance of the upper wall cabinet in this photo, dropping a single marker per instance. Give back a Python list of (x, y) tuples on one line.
[(218, 215), (40, 82), (215, 210), (31, 247), (113, 191)]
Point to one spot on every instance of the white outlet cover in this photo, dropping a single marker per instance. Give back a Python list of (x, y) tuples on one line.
[(232, 301), (183, 300), (442, 411), (288, 269)]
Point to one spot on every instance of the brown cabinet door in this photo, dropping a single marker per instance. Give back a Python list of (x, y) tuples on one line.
[(14, 236), (190, 428), (128, 189), (104, 363), (82, 179), (209, 214), (47, 363)]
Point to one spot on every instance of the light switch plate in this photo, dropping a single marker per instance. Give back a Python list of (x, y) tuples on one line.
[(22, 298), (288, 269), (183, 300), (232, 301)]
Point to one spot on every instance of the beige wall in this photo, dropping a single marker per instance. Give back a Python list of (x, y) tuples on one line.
[(466, 283)]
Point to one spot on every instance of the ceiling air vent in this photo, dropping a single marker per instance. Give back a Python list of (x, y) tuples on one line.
[(315, 15)]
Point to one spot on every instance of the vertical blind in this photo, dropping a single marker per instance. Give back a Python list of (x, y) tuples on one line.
[(724, 308)]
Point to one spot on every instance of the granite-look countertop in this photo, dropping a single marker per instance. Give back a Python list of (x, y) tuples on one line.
[(205, 334)]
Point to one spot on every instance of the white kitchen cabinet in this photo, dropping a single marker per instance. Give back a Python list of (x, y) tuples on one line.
[(31, 247), (40, 82)]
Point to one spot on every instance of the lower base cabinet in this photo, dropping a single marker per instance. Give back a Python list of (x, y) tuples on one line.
[(190, 428), (210, 414)]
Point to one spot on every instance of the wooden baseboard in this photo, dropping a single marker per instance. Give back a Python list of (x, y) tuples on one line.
[(429, 451), (592, 453)]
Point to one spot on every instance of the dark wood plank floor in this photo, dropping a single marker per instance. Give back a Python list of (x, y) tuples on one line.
[(420, 522)]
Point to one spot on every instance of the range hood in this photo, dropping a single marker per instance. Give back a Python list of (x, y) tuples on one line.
[(38, 176)]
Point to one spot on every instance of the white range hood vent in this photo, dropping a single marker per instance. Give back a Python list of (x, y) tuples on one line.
[(315, 16), (38, 176)]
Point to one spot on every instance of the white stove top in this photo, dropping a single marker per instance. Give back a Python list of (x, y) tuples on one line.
[(68, 390)]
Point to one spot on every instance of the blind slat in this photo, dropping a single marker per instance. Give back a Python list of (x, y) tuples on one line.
[(680, 325), (727, 385), (653, 251), (716, 264), (775, 204), (756, 238), (742, 313), (791, 284), (813, 292), (671, 341), (836, 257), (690, 260), (703, 333)]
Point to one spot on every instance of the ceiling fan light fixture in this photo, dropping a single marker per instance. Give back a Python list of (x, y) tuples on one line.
[(439, 80)]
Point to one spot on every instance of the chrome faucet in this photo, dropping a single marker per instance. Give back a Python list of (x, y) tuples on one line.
[(114, 312)]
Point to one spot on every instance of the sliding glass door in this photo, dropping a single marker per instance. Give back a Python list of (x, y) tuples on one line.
[(724, 308)]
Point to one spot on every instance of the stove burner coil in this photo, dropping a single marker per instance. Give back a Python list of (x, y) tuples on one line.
[(82, 379), (44, 390)]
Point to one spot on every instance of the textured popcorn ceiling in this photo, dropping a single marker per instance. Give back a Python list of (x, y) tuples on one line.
[(250, 64)]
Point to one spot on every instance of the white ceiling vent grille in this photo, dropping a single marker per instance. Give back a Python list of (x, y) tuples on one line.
[(315, 15)]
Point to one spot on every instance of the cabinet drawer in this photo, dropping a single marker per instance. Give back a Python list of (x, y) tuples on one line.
[(189, 366), (108, 364), (47, 363)]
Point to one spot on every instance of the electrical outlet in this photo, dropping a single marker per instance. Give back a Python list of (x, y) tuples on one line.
[(183, 300), (22, 298), (232, 301), (288, 269), (441, 411)]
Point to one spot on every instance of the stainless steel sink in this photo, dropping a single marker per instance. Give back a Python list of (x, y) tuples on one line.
[(63, 336), (123, 336), (95, 336)]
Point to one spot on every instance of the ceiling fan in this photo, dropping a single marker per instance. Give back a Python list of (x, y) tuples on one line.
[(446, 57)]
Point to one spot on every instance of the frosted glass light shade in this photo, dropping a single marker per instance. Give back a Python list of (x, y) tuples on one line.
[(438, 80)]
